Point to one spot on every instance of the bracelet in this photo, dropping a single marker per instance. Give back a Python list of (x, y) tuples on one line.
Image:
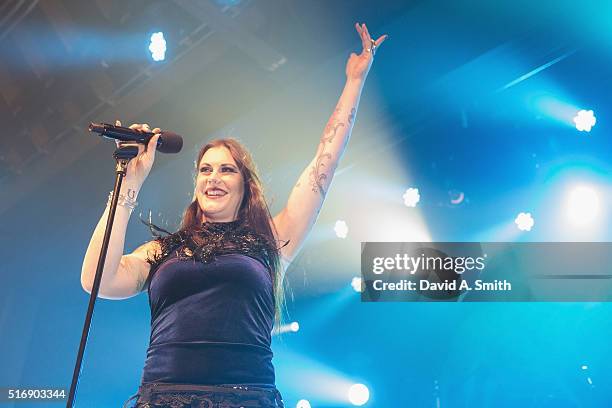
[(123, 201)]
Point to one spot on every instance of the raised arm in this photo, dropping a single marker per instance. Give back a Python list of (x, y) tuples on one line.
[(296, 220)]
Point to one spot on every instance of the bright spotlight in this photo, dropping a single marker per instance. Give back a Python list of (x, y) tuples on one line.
[(341, 229), (358, 394), (158, 46), (356, 284), (293, 327), (411, 197), (582, 205), (524, 221), (585, 120), (303, 404)]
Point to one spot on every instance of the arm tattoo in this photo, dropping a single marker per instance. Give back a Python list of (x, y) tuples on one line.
[(318, 176), (131, 194), (351, 117), (140, 282)]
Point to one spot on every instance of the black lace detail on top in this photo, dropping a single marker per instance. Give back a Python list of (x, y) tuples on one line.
[(212, 239)]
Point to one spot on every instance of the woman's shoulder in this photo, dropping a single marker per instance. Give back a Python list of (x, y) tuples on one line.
[(149, 249)]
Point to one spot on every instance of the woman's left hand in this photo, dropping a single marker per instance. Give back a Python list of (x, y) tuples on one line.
[(358, 66)]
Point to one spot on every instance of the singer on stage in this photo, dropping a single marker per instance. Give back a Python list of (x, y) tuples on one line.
[(215, 286)]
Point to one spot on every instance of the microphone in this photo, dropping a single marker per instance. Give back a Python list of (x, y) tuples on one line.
[(168, 142)]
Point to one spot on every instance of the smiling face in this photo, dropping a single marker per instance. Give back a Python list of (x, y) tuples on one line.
[(219, 185)]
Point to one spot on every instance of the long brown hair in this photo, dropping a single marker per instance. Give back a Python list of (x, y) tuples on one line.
[(253, 212)]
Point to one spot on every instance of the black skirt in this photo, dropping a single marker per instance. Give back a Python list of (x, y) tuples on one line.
[(162, 395)]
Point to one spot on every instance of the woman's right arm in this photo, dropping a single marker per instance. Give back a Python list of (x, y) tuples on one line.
[(124, 275)]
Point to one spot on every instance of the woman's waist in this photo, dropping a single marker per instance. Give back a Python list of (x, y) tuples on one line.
[(201, 345), (208, 363), (244, 394), (167, 386)]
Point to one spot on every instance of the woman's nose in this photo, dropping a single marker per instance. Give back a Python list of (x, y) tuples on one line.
[(213, 177)]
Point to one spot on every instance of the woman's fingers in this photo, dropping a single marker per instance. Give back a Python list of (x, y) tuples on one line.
[(153, 142), (367, 33), (144, 127), (366, 39), (152, 145), (381, 39)]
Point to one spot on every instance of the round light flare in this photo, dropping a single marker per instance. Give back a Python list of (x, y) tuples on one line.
[(585, 120), (524, 221), (356, 283), (582, 206), (294, 327), (341, 229), (411, 197), (358, 394), (157, 46), (302, 404)]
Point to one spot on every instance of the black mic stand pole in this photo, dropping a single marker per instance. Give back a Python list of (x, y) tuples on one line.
[(124, 153)]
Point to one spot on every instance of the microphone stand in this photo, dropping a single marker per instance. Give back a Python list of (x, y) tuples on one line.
[(123, 154)]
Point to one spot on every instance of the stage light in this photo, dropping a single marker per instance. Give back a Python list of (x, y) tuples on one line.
[(585, 120), (582, 206), (285, 328), (524, 221), (356, 284), (411, 197), (358, 394), (303, 404), (158, 46), (341, 229)]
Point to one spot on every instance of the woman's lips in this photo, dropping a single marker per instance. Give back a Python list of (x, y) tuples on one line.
[(218, 193)]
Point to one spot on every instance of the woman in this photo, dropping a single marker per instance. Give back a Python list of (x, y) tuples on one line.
[(215, 286)]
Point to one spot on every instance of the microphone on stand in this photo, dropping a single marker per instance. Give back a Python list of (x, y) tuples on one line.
[(168, 142)]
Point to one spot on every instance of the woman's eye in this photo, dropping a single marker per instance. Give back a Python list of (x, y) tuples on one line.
[(223, 170)]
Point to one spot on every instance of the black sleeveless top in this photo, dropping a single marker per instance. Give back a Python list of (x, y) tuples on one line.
[(212, 309)]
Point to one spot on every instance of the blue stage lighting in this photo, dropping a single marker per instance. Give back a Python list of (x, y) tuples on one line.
[(158, 46)]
